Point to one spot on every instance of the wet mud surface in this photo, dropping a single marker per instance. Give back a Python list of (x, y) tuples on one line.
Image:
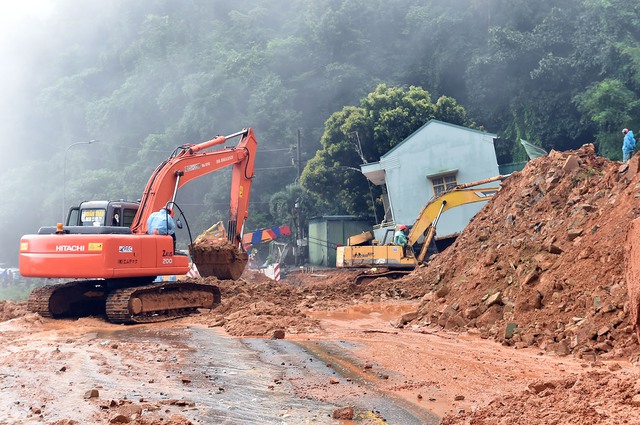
[(176, 373)]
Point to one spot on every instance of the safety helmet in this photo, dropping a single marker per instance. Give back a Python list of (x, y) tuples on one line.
[(625, 131), (402, 227)]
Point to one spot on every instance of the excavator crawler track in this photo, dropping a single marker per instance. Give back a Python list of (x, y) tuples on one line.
[(160, 302), (71, 299), (370, 277)]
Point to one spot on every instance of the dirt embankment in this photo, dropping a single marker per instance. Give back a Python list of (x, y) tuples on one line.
[(543, 264)]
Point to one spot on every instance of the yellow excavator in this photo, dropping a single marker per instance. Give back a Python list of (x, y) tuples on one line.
[(395, 261)]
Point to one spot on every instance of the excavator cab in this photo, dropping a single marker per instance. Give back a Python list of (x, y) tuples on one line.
[(102, 213)]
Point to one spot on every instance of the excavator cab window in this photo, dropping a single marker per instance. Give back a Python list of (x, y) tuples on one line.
[(116, 220), (92, 217), (127, 217), (73, 217)]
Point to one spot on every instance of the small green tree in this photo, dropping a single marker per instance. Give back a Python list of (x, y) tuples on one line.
[(611, 106)]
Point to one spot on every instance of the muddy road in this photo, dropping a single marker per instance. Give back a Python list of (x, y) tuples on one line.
[(179, 372)]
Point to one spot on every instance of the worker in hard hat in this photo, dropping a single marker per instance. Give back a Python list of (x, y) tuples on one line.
[(628, 144), (400, 237)]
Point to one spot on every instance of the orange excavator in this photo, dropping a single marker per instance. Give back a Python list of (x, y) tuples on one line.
[(115, 260)]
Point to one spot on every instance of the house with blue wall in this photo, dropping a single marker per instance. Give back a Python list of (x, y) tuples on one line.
[(436, 157)]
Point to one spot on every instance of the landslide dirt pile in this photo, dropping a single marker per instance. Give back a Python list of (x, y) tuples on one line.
[(542, 264), (10, 310)]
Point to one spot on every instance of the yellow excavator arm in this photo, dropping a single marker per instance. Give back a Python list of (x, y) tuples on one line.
[(427, 220), (425, 225)]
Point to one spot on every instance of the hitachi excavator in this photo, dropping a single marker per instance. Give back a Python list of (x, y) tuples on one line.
[(107, 249), (395, 261)]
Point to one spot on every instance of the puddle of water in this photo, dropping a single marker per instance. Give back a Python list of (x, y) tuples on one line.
[(254, 390), (378, 311)]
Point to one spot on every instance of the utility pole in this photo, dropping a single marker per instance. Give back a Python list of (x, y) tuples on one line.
[(298, 157), (300, 233)]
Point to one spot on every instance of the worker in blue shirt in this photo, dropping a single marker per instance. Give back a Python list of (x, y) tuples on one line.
[(628, 144), (161, 223)]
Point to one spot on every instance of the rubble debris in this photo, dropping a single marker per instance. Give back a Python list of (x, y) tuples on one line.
[(564, 244)]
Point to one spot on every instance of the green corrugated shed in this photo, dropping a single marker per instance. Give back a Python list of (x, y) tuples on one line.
[(328, 232), (510, 168)]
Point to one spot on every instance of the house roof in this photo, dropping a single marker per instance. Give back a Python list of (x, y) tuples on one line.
[(430, 122), (376, 174), (340, 218)]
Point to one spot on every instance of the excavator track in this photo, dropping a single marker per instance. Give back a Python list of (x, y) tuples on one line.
[(160, 302), (70, 299), (367, 277)]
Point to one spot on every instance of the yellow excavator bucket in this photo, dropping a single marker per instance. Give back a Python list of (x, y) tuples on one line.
[(217, 232), (214, 255)]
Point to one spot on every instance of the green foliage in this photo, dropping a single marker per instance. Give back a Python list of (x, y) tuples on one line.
[(611, 107), (147, 76)]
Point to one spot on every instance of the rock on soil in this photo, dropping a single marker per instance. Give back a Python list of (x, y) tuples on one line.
[(549, 266), (567, 401)]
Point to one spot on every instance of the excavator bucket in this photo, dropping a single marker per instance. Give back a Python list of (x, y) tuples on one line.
[(215, 256)]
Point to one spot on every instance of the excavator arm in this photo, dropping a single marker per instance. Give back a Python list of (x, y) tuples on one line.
[(425, 224), (190, 162), (394, 257)]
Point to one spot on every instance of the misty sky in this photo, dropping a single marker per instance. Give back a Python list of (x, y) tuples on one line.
[(19, 29)]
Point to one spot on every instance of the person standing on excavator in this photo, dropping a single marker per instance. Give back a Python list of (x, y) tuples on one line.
[(161, 223), (628, 144)]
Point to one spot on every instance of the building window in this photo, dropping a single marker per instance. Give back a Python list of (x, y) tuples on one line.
[(443, 183)]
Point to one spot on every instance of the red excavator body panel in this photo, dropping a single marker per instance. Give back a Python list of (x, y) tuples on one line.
[(103, 256)]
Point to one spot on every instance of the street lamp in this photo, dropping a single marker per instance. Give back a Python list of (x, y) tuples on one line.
[(64, 174)]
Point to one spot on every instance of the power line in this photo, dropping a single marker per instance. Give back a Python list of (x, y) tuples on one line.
[(276, 168), (187, 204), (275, 150)]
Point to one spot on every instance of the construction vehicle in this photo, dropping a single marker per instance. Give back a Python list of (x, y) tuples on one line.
[(395, 261), (113, 265)]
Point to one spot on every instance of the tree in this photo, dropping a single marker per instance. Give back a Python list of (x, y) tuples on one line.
[(610, 106), (286, 204)]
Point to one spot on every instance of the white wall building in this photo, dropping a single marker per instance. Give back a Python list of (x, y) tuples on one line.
[(435, 157)]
